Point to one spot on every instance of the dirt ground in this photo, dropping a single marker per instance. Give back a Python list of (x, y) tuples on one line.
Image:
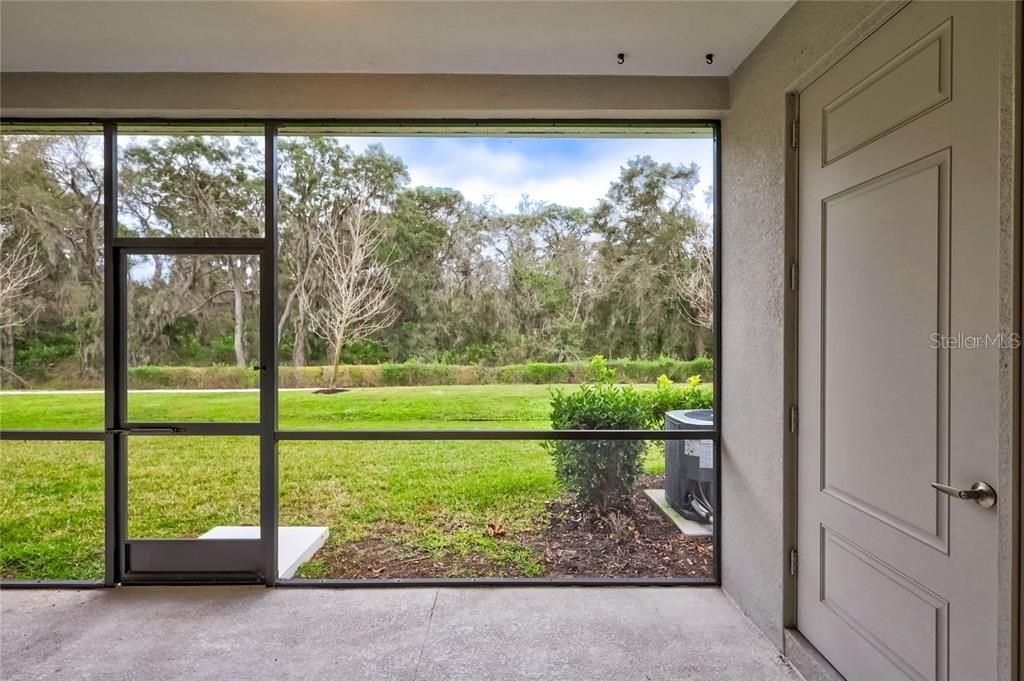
[(573, 542)]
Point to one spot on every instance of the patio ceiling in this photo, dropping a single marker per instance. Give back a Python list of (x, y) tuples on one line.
[(530, 38)]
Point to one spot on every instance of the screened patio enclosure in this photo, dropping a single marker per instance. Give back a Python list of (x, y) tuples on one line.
[(212, 413)]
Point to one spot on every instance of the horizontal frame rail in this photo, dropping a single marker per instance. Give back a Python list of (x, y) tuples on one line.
[(168, 428), (253, 125), (285, 435), (462, 582), (196, 246), (54, 435), (243, 429), (155, 579)]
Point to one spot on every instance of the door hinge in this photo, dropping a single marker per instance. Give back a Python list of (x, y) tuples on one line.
[(794, 135), (794, 562), (794, 276), (793, 419)]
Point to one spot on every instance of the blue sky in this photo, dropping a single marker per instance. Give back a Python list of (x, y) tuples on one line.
[(574, 171)]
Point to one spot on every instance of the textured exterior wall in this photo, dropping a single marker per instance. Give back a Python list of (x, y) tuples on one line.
[(755, 538), (255, 95), (1009, 485)]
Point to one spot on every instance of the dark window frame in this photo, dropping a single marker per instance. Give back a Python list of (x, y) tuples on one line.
[(115, 369)]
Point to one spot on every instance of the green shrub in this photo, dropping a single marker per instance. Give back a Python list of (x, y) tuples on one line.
[(364, 352), (667, 396), (648, 371), (219, 376), (599, 472), (35, 354), (600, 371), (545, 372), (149, 377), (37, 363), (416, 373)]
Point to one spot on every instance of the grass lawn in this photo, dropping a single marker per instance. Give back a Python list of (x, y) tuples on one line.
[(434, 497)]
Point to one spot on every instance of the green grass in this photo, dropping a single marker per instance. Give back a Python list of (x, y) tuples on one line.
[(436, 497), (482, 406)]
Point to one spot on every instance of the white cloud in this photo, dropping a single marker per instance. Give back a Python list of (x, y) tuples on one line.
[(573, 172)]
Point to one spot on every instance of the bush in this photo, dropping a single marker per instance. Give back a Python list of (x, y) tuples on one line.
[(667, 396), (648, 371), (599, 472), (364, 352), (416, 373), (37, 364), (34, 355), (225, 377)]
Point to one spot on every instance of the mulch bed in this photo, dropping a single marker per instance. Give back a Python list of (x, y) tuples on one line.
[(635, 542), (639, 542)]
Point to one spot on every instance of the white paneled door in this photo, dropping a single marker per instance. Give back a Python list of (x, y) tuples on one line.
[(899, 349)]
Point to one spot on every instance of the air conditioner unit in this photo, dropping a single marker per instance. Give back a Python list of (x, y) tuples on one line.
[(690, 466)]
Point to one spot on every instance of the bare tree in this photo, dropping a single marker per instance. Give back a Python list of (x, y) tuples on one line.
[(697, 287), (356, 284), (19, 269)]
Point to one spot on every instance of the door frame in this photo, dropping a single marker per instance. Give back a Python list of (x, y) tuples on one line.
[(259, 556), (1011, 483)]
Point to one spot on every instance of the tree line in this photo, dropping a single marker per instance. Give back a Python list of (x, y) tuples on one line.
[(371, 268)]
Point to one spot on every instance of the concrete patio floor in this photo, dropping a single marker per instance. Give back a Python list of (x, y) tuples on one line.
[(247, 633)]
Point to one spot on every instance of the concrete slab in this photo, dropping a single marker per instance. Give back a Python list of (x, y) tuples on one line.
[(659, 634), (685, 525), (283, 634), (295, 545)]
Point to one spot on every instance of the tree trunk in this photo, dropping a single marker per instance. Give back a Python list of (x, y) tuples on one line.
[(7, 349), (334, 367), (699, 342), (238, 289), (299, 348)]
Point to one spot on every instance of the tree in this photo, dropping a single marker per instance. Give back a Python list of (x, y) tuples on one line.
[(199, 186), (312, 179), (545, 255), (19, 269), (644, 224), (356, 285), (320, 179), (420, 230), (440, 278), (51, 189), (696, 286)]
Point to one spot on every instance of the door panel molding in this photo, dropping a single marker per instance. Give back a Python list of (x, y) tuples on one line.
[(924, 613), (937, 168), (930, 87)]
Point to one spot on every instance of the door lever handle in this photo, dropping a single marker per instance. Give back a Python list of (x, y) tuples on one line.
[(980, 493), (145, 430)]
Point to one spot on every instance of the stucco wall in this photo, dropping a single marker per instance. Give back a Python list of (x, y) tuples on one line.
[(340, 95), (755, 538)]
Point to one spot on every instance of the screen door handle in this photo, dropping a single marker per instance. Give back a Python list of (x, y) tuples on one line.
[(980, 493)]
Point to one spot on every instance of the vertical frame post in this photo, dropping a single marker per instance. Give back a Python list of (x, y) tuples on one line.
[(113, 364), (716, 287), (268, 362), (789, 359)]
